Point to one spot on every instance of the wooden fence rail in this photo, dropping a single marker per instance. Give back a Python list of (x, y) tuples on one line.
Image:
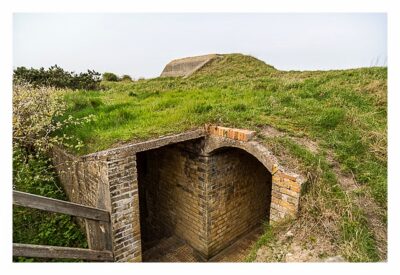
[(58, 206), (98, 230), (58, 252)]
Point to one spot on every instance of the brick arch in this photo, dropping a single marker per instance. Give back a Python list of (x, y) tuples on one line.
[(114, 173), (254, 148), (286, 186)]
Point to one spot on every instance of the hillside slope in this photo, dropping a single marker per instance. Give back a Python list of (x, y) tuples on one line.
[(332, 125)]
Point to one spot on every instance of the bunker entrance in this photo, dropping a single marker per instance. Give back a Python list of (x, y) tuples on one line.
[(240, 196), (207, 202)]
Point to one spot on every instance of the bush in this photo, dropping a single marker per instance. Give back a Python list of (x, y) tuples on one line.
[(35, 114), (35, 119), (58, 78), (110, 77), (34, 174), (126, 77)]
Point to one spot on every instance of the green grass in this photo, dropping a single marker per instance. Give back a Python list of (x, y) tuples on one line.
[(355, 241), (267, 238), (345, 111)]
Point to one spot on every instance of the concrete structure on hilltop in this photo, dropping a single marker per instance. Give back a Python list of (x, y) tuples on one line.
[(186, 66)]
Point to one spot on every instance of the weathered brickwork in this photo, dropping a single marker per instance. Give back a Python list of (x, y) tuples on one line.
[(286, 186), (108, 183), (285, 195), (124, 207), (239, 194), (206, 187), (172, 190), (209, 201), (232, 133)]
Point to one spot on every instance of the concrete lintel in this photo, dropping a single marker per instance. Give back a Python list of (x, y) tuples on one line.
[(148, 145)]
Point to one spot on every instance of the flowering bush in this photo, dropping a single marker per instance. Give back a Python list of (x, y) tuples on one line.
[(36, 113), (36, 117)]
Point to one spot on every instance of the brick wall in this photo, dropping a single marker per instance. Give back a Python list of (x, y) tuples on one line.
[(286, 186), (195, 189), (108, 183), (209, 201), (124, 195), (239, 195), (286, 189), (172, 191)]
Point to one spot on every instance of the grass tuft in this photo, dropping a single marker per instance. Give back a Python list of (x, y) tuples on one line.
[(330, 118)]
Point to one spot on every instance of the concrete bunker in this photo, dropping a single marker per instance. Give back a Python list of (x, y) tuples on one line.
[(208, 187), (187, 66), (208, 200)]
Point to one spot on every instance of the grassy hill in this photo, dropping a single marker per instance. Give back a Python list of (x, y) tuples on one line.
[(343, 113)]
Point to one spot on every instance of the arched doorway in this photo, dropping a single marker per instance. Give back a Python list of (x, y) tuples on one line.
[(207, 200), (239, 192)]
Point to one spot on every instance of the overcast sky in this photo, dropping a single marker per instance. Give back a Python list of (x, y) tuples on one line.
[(141, 44)]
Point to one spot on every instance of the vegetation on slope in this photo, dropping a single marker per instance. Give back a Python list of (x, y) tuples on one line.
[(344, 111), (55, 76), (333, 219), (33, 174), (34, 110)]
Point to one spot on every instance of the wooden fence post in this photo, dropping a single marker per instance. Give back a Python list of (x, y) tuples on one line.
[(98, 230), (98, 235)]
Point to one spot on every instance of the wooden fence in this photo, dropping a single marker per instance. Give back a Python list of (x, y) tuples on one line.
[(98, 230)]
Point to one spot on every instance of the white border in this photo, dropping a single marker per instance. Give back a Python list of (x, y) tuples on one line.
[(7, 8)]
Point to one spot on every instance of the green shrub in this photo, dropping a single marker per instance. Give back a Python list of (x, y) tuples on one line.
[(110, 77), (36, 113), (35, 174), (126, 77), (57, 77)]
